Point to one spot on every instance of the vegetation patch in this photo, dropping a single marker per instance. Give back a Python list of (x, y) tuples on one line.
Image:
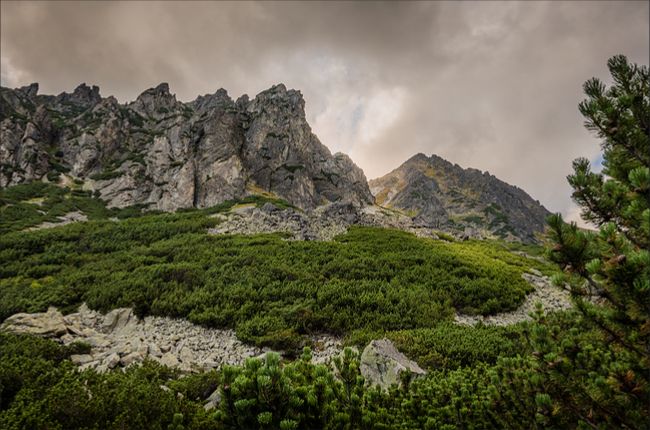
[(272, 291), (28, 205)]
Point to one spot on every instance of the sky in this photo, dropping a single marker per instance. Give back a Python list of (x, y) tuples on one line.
[(489, 85)]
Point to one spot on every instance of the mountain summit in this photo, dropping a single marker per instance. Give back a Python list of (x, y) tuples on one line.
[(165, 154), (439, 194)]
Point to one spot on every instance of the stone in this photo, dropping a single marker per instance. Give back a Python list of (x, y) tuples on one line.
[(197, 348), (75, 330), (118, 320), (186, 355), (79, 359), (97, 340), (67, 338), (131, 358), (209, 364), (169, 360), (382, 364), (112, 360), (213, 401), (46, 324)]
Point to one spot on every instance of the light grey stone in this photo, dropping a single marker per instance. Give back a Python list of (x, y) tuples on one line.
[(382, 364), (112, 360), (46, 324), (169, 360), (213, 401), (79, 359)]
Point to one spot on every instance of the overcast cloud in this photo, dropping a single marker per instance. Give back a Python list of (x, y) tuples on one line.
[(490, 85)]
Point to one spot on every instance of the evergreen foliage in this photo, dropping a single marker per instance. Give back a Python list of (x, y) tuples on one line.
[(604, 377), (272, 291)]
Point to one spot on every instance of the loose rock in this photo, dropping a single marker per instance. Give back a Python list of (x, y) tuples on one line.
[(46, 324), (382, 364)]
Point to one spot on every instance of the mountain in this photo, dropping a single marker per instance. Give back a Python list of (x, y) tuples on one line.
[(160, 153), (439, 194), (165, 154)]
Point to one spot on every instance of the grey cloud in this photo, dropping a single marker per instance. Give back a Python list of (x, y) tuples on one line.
[(491, 85)]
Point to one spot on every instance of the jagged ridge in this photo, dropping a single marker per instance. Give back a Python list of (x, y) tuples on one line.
[(165, 154)]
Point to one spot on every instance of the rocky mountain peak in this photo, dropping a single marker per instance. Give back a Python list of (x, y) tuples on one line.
[(83, 96), (439, 194), (30, 90), (417, 158), (278, 97), (155, 100), (219, 98)]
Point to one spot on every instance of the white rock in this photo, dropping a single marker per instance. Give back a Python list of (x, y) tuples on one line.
[(112, 361), (131, 358), (382, 364), (169, 360), (81, 358), (46, 324)]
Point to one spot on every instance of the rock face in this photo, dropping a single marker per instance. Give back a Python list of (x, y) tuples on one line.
[(119, 339), (165, 154), (382, 364), (438, 194)]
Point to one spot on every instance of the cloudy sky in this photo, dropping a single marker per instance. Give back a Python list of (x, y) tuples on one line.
[(490, 85)]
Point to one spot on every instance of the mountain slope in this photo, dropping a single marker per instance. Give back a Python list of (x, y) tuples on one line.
[(165, 154), (442, 195)]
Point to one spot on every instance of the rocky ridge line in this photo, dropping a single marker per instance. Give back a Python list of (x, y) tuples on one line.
[(165, 154)]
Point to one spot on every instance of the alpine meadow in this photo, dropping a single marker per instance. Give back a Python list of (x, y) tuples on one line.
[(212, 265)]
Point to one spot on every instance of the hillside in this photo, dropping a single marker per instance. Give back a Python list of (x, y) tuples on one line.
[(164, 154), (439, 194)]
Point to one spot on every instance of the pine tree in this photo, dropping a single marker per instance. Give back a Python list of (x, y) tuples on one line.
[(599, 372)]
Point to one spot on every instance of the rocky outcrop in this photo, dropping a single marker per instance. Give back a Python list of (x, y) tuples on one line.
[(47, 324), (382, 364), (438, 194), (119, 339), (159, 152)]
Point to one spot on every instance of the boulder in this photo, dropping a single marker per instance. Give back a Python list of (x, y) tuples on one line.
[(112, 360), (119, 320), (169, 360), (131, 358), (80, 359), (382, 364), (46, 324), (213, 401)]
